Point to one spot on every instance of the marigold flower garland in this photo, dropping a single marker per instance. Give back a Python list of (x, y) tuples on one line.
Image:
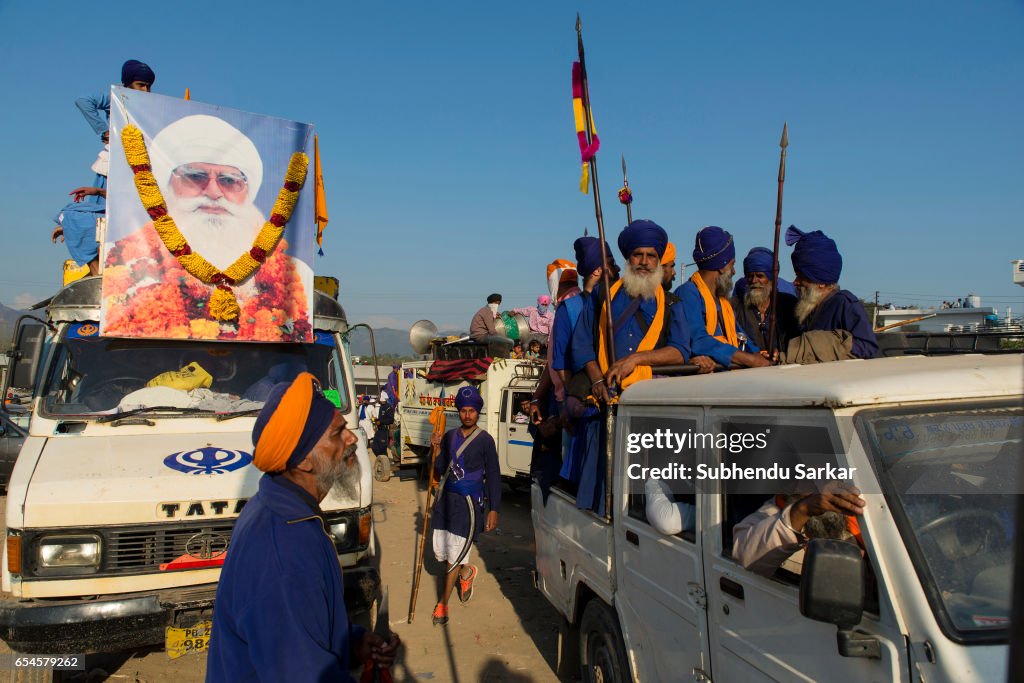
[(223, 304)]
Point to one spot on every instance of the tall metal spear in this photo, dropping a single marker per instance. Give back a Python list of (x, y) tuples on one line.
[(605, 278), (783, 144), (629, 195)]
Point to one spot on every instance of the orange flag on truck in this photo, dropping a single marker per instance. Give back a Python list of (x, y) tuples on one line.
[(321, 198)]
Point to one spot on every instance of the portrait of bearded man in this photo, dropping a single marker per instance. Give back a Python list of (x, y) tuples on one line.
[(209, 174)]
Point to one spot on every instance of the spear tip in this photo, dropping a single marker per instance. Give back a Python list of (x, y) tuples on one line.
[(579, 25), (784, 143), (623, 165)]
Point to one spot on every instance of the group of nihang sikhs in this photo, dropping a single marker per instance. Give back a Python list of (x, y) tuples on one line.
[(706, 322)]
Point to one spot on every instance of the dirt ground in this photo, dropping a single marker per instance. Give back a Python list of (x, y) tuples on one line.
[(508, 632)]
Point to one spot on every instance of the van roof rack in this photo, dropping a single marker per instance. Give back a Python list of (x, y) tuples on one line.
[(946, 343)]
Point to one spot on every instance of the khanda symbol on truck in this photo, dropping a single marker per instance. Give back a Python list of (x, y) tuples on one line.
[(208, 460)]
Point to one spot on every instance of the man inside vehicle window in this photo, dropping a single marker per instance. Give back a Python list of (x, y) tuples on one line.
[(765, 539)]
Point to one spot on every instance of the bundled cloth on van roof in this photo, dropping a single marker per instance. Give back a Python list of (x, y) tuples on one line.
[(468, 369)]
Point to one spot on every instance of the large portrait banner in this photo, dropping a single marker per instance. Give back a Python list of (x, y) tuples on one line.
[(210, 223)]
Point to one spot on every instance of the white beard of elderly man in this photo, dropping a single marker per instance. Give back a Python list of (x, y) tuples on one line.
[(210, 174)]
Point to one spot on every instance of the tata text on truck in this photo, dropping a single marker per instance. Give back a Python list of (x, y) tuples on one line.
[(504, 384), (932, 442)]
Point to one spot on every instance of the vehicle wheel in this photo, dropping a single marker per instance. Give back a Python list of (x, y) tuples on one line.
[(602, 650), (382, 468)]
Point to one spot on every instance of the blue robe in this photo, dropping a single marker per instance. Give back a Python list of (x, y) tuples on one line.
[(702, 343), (78, 219), (280, 607), (844, 311), (96, 110), (630, 334), (480, 458), (567, 314)]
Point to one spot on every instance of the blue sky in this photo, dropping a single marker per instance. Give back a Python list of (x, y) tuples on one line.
[(449, 153)]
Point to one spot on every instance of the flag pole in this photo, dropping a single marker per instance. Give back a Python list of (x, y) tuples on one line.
[(599, 215), (609, 414), (772, 317)]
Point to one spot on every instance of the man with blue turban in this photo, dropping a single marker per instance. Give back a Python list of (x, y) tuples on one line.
[(752, 307), (280, 607), (649, 325), (714, 330), (822, 305), (470, 458), (96, 108)]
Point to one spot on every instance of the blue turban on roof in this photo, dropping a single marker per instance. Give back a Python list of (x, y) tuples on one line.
[(469, 397), (134, 70), (713, 248), (815, 256), (643, 233), (588, 255), (758, 260)]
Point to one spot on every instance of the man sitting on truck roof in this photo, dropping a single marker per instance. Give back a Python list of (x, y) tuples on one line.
[(135, 75), (650, 326), (280, 608), (483, 329), (715, 331), (823, 306)]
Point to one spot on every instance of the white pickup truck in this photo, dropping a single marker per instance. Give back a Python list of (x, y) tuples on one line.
[(935, 443), (118, 520)]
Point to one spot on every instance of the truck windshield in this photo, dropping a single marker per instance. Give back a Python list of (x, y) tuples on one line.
[(92, 375), (950, 474)]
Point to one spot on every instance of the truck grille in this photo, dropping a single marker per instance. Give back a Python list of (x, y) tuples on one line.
[(143, 549)]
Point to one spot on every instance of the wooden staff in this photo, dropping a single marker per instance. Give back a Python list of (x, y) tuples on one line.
[(440, 422)]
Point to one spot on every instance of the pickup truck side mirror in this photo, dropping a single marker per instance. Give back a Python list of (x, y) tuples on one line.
[(26, 354), (832, 591)]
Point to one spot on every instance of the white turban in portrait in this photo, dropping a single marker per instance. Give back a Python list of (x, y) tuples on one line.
[(204, 139)]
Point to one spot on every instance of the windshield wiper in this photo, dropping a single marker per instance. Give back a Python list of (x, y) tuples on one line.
[(114, 417), (240, 413)]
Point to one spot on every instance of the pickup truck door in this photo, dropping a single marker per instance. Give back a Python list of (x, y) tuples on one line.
[(660, 592), (515, 445), (756, 630)]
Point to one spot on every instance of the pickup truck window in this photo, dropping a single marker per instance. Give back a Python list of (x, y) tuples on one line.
[(658, 496), (90, 375), (950, 474)]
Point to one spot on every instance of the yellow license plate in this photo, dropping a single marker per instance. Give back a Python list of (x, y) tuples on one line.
[(187, 641)]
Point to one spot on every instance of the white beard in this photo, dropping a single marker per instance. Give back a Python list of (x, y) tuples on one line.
[(723, 285), (810, 298), (643, 286), (756, 297), (219, 238)]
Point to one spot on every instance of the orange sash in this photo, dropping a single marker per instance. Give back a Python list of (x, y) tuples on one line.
[(711, 313), (641, 372)]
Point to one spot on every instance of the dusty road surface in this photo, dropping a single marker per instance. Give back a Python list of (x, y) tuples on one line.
[(507, 632)]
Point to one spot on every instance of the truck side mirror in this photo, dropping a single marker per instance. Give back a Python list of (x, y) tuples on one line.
[(832, 591), (25, 356)]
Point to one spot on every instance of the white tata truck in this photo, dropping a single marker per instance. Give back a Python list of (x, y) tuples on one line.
[(933, 444), (120, 509), (505, 384)]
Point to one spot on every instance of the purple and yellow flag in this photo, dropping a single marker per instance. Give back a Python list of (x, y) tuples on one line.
[(587, 148)]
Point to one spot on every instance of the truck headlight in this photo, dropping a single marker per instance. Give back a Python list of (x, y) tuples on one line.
[(69, 551), (338, 530)]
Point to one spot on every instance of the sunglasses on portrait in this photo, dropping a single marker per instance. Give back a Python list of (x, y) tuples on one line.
[(199, 179)]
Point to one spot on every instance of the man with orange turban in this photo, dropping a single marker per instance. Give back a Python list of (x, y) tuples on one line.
[(280, 608), (668, 267)]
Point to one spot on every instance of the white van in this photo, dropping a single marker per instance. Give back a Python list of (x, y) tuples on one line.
[(935, 443), (118, 520)]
